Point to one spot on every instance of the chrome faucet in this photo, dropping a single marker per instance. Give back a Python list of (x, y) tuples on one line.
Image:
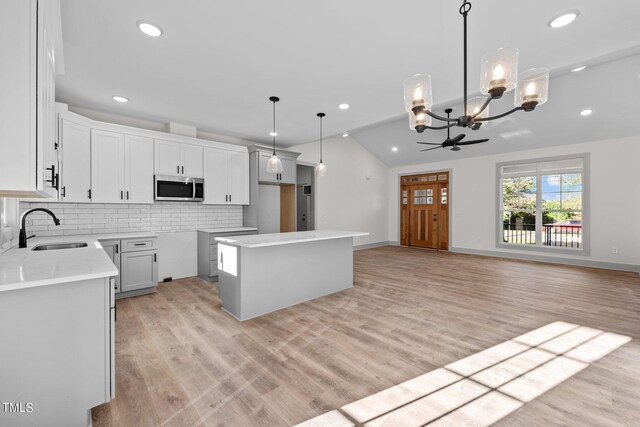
[(22, 241)]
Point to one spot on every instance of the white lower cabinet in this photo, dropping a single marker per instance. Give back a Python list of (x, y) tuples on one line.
[(137, 262), (139, 270)]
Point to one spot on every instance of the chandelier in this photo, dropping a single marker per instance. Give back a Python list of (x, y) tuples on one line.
[(498, 75)]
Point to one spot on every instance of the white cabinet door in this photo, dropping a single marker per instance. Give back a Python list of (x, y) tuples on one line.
[(288, 175), (216, 177), (75, 173), (139, 270), (263, 175), (138, 169), (167, 157), (107, 167), (191, 161), (238, 178)]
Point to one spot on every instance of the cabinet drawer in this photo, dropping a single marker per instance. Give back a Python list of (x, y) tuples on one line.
[(134, 245), (213, 252)]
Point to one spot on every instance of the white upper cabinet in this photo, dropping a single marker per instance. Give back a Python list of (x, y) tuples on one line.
[(167, 157), (121, 168), (29, 33), (238, 178), (191, 161), (174, 158), (75, 172), (288, 174), (289, 170), (226, 177), (107, 167), (138, 169)]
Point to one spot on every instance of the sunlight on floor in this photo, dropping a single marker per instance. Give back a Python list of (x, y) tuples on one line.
[(484, 387)]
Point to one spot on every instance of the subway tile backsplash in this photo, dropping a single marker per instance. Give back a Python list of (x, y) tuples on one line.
[(96, 218)]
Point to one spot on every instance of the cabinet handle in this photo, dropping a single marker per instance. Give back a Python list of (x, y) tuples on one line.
[(139, 244), (115, 312), (183, 170), (127, 194), (178, 169), (155, 257), (229, 197), (64, 191), (89, 193), (117, 248), (226, 197), (121, 195)]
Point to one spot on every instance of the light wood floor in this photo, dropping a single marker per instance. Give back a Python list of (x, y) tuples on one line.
[(181, 361)]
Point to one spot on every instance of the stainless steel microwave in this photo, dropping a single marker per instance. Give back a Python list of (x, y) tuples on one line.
[(179, 188)]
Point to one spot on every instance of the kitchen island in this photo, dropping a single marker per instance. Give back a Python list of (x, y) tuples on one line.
[(266, 272)]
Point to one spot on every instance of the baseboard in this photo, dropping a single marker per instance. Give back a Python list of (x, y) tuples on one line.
[(553, 260), (370, 245)]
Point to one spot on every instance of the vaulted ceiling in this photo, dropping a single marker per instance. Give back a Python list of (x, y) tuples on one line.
[(218, 62)]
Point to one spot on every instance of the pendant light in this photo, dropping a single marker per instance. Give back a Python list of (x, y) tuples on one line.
[(321, 168), (274, 165)]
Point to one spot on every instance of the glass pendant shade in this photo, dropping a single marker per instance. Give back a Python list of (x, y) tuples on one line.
[(499, 69), (321, 169), (475, 104), (274, 165), (419, 120), (533, 86), (417, 92)]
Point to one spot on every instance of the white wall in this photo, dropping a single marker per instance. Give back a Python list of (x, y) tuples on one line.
[(615, 198), (353, 195)]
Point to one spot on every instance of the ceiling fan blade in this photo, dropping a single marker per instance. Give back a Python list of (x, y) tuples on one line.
[(428, 143), (475, 141), (458, 138), (429, 149)]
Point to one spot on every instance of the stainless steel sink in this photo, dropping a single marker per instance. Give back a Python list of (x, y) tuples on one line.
[(55, 246)]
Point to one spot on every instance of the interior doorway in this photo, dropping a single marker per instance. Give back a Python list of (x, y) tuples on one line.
[(424, 210), (305, 198)]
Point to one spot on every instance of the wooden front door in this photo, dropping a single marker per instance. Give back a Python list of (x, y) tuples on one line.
[(424, 213)]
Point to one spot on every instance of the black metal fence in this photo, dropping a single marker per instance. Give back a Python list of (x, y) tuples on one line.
[(558, 235), (520, 234)]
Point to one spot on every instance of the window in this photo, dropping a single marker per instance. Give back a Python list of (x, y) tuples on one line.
[(542, 204)]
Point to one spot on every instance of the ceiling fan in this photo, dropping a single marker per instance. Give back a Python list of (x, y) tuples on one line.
[(454, 142)]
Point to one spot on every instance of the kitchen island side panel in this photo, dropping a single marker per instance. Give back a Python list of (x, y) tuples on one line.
[(275, 277)]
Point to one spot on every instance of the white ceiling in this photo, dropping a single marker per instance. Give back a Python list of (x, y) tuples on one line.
[(218, 62)]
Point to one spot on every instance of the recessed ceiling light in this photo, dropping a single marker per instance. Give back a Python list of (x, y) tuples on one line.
[(346, 134), (273, 133), (586, 112), (565, 18), (120, 98), (149, 29), (344, 106), (580, 68), (394, 149)]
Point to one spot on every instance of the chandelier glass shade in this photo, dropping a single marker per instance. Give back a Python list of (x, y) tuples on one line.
[(498, 75)]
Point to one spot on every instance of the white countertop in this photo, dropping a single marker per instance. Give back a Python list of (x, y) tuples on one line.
[(24, 268), (226, 230), (262, 240)]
